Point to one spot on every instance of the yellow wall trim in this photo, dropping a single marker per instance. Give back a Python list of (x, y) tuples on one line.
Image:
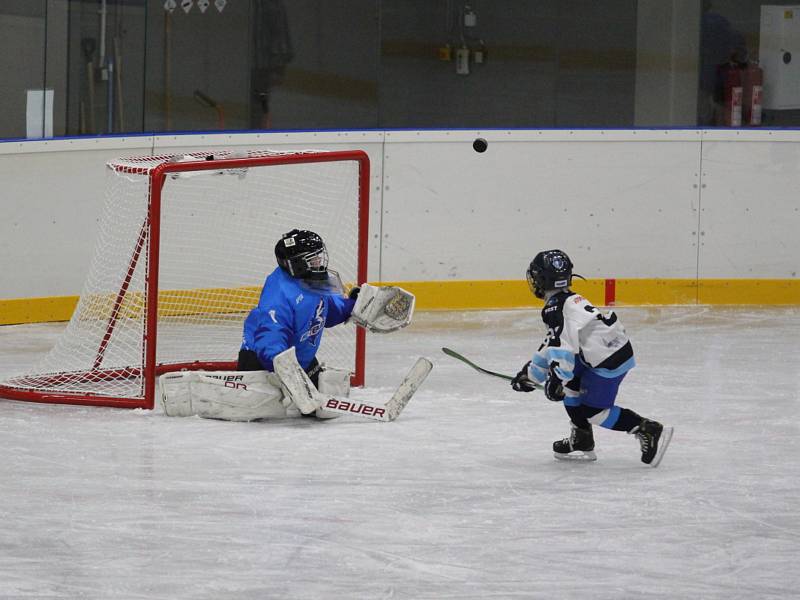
[(37, 310), (504, 294)]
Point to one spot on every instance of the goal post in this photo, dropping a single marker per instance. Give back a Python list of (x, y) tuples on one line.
[(184, 246)]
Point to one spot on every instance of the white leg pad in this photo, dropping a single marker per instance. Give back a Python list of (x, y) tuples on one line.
[(237, 396), (226, 395), (333, 382), (295, 382), (175, 395)]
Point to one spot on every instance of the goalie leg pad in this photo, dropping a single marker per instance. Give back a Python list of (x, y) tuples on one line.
[(225, 395), (175, 395), (295, 382), (383, 309), (237, 396), (333, 382)]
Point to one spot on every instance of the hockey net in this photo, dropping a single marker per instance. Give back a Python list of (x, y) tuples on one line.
[(184, 246)]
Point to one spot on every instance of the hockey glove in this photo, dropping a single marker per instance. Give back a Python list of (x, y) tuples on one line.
[(521, 382), (553, 388), (353, 295)]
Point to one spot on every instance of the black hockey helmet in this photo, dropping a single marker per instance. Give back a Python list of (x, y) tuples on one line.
[(549, 270), (302, 254)]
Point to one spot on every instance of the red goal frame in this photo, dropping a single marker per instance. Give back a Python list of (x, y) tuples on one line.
[(149, 240)]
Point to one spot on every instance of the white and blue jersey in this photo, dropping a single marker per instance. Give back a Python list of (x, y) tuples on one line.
[(579, 339), (291, 314)]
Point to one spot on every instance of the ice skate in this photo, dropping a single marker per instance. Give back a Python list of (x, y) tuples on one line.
[(654, 439), (578, 446)]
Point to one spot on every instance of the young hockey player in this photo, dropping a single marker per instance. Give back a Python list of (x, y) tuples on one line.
[(300, 298), (282, 334), (582, 361)]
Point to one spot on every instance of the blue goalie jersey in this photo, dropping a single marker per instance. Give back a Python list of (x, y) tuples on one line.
[(292, 314)]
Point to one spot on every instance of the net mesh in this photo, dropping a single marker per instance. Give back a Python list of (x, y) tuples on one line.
[(217, 238)]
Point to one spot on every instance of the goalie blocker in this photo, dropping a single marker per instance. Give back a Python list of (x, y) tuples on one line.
[(252, 395)]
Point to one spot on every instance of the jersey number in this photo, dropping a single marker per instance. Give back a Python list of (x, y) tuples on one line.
[(608, 321)]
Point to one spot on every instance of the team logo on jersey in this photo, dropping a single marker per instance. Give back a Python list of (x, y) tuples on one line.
[(316, 326)]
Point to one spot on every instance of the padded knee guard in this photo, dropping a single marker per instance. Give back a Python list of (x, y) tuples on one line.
[(333, 382)]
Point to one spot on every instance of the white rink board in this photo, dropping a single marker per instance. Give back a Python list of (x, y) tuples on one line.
[(53, 198), (370, 142), (52, 201), (452, 213), (623, 203), (750, 212)]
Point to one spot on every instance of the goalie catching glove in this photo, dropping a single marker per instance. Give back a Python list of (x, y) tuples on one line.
[(383, 309)]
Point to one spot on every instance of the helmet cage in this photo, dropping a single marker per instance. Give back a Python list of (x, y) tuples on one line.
[(309, 265), (302, 254)]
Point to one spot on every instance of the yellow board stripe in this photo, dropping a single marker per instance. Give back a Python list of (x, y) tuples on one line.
[(465, 295), (749, 291), (37, 310), (483, 295)]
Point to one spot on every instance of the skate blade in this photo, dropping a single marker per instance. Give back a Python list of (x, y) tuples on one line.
[(663, 443), (576, 456)]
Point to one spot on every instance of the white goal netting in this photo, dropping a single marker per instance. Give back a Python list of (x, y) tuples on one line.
[(217, 232)]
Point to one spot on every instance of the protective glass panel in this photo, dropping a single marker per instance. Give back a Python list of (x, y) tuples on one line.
[(127, 66)]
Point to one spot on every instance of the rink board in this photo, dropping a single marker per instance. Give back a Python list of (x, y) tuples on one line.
[(505, 294)]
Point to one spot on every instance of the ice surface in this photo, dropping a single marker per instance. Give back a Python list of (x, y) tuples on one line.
[(459, 498)]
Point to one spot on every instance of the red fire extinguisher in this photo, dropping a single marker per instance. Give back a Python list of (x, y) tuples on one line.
[(731, 76), (753, 92)]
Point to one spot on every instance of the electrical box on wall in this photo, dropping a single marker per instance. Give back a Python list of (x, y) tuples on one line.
[(779, 56)]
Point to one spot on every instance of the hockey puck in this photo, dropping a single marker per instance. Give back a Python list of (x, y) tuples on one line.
[(480, 145)]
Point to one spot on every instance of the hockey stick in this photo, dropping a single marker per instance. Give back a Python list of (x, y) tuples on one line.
[(305, 395), (392, 409), (465, 360)]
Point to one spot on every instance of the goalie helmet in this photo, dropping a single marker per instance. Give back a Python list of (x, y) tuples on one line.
[(302, 254), (549, 270)]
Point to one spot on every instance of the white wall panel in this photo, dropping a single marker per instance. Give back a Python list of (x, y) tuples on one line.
[(51, 199), (750, 210), (622, 203), (614, 205), (370, 142)]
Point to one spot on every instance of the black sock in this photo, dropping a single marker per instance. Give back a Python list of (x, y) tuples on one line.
[(627, 421), (580, 415)]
